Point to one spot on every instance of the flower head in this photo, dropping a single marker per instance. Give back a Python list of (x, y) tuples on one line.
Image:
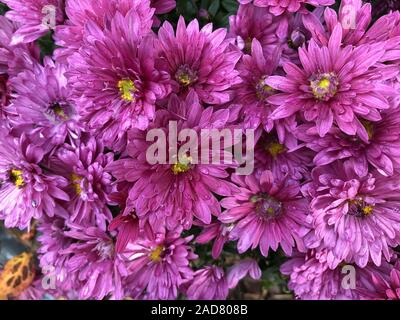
[(200, 60)]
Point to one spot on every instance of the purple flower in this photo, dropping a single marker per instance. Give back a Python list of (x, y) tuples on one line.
[(280, 159), (166, 195), (357, 219), (267, 212), (27, 191), (257, 23), (35, 18), (381, 151), (312, 279), (341, 85), (278, 7), (70, 35), (158, 266), (200, 60), (82, 163), (118, 63), (42, 105), (209, 283), (240, 270), (14, 58)]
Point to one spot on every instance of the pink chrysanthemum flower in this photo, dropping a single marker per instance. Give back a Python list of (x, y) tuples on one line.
[(158, 266), (312, 279), (174, 193), (356, 218), (209, 283), (335, 84), (42, 105), (382, 150), (114, 78), (267, 212), (70, 35), (15, 58), (278, 7), (82, 163), (256, 23), (36, 18), (91, 263), (296, 162), (27, 191), (200, 60)]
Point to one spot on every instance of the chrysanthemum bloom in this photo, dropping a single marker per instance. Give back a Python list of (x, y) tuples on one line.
[(278, 7), (267, 212), (251, 23), (336, 84), (14, 58), (355, 17), (269, 154), (92, 264), (217, 231), (173, 193), (253, 93), (82, 163), (312, 279), (69, 37), (27, 191), (385, 286), (240, 270), (209, 283), (42, 104), (114, 78), (356, 218), (36, 17), (158, 266), (200, 60), (382, 150)]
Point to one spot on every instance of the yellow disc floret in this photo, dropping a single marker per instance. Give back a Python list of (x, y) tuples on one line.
[(127, 89)]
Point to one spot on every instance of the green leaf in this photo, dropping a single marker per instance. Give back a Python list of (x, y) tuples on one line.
[(214, 7), (230, 5)]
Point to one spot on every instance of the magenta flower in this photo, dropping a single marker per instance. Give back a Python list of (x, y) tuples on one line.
[(356, 218), (381, 151), (341, 85), (312, 279), (278, 7), (296, 162), (240, 270), (267, 212), (82, 163), (70, 35), (35, 17), (251, 23), (42, 105), (91, 263), (209, 283), (166, 195), (158, 266), (124, 84), (27, 192), (200, 60)]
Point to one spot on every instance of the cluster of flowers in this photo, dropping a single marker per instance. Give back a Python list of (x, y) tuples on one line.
[(321, 90)]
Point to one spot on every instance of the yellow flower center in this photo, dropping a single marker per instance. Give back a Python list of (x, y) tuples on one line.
[(76, 183), (184, 79), (360, 209), (368, 210), (324, 86), (127, 90), (182, 166), (16, 178), (275, 148), (155, 255)]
